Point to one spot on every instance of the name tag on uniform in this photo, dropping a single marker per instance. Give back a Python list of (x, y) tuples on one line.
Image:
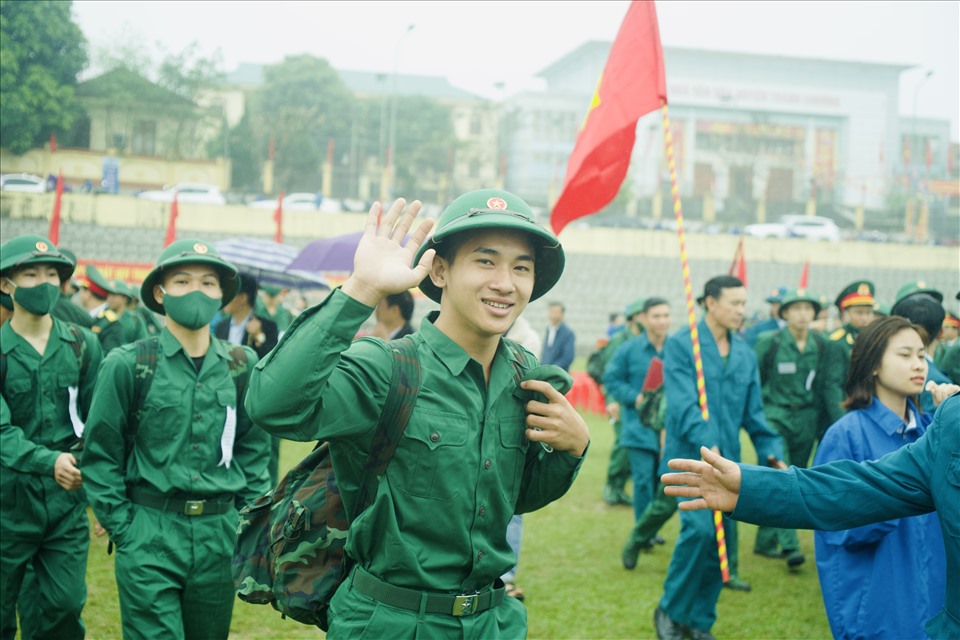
[(785, 368)]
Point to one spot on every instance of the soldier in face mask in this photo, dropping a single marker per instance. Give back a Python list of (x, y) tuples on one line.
[(47, 373), (171, 453)]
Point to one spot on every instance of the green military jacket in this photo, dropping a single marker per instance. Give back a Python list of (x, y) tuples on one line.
[(109, 330), (41, 416), (947, 359), (838, 365), (179, 442), (462, 469), (69, 312), (133, 328), (792, 380), (282, 318)]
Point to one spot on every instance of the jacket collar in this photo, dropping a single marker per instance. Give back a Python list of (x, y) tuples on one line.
[(887, 420), (170, 345), (10, 339), (452, 355)]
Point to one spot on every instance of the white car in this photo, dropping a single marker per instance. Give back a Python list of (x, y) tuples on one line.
[(23, 182), (796, 226), (186, 192), (292, 202)]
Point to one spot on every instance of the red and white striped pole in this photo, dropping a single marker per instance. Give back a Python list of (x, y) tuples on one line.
[(692, 319)]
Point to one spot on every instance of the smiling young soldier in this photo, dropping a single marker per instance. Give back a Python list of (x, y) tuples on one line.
[(431, 547), (171, 454), (47, 373)]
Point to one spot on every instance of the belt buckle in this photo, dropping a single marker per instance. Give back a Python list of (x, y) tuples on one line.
[(465, 605), (193, 508)]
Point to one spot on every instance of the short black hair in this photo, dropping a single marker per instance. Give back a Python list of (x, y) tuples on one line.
[(404, 300), (715, 286), (924, 310), (557, 303), (249, 286), (650, 303)]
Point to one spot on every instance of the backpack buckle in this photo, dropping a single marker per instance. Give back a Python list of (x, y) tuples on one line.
[(465, 605), (193, 507)]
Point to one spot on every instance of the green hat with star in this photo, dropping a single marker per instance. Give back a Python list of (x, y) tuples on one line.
[(798, 295), (31, 249), (634, 308), (493, 209), (917, 286), (856, 294), (189, 252)]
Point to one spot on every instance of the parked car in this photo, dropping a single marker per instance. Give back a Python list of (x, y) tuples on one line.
[(292, 202), (796, 226), (186, 192), (23, 182)]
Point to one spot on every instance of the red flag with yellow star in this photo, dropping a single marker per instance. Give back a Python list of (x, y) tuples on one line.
[(633, 84)]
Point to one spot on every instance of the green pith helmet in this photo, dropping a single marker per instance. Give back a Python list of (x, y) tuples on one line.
[(918, 286), (493, 209), (30, 249), (799, 295), (634, 308), (120, 287), (97, 283), (186, 252)]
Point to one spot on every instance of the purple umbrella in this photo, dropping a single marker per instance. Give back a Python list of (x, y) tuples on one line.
[(328, 254)]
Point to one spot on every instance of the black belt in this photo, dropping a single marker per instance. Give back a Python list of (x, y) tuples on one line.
[(466, 604), (208, 506)]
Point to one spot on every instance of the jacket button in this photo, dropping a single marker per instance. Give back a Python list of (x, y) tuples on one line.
[(197, 418), (487, 464), (483, 510), (479, 555), (434, 437)]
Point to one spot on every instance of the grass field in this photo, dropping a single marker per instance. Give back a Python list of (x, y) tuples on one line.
[(571, 572)]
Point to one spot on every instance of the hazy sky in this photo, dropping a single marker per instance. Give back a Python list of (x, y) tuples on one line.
[(480, 44)]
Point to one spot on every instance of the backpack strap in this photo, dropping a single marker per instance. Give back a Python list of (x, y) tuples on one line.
[(238, 368), (143, 374), (523, 360), (397, 409), (79, 345)]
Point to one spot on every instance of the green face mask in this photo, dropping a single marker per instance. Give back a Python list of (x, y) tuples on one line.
[(192, 310), (39, 299)]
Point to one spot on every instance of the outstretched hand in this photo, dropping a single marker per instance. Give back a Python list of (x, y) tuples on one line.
[(381, 265), (714, 482)]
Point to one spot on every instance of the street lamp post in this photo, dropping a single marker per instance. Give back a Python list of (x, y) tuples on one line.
[(387, 184)]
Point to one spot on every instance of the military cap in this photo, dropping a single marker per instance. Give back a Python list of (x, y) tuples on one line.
[(798, 295), (271, 290), (881, 309), (493, 209), (97, 283), (856, 294), (634, 308), (777, 295), (186, 252), (951, 320), (31, 249), (119, 287), (918, 286)]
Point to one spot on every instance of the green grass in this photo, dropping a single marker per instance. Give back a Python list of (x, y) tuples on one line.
[(571, 572)]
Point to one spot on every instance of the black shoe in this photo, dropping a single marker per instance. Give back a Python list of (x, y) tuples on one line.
[(697, 634), (794, 558), (738, 584), (658, 540), (630, 552), (666, 628)]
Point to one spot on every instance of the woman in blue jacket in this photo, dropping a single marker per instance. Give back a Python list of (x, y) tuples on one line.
[(881, 580)]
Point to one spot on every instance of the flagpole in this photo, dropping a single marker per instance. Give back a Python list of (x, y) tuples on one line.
[(692, 319)]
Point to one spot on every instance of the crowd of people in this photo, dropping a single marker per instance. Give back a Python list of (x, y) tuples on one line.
[(162, 410)]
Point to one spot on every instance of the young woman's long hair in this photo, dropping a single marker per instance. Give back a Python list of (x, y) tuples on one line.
[(867, 355)]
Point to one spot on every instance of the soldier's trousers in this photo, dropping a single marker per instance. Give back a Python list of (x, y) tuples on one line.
[(797, 429), (173, 575), (693, 583), (643, 468), (45, 527), (355, 615), (618, 469)]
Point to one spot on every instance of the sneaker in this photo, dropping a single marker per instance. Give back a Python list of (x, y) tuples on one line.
[(666, 628), (737, 583), (794, 558)]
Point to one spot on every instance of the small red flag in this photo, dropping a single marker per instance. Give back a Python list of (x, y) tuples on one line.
[(633, 84), (654, 377), (278, 218), (805, 275), (738, 266), (53, 146), (172, 225), (54, 234)]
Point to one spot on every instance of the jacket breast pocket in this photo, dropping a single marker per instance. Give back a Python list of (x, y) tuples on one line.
[(949, 510), (21, 399), (161, 417), (512, 456), (430, 457)]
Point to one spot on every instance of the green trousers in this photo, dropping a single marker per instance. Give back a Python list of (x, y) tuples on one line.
[(173, 575), (45, 528), (797, 429), (355, 615), (618, 470)]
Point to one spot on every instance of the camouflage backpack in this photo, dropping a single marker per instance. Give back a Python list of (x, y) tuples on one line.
[(290, 542)]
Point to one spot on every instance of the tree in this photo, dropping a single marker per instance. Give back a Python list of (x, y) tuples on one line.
[(425, 142), (41, 53), (301, 104)]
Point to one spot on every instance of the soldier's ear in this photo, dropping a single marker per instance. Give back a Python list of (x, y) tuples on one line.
[(438, 272), (158, 294), (5, 285)]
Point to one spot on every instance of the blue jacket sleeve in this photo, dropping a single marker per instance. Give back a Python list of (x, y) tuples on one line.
[(684, 420), (566, 352), (616, 377)]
